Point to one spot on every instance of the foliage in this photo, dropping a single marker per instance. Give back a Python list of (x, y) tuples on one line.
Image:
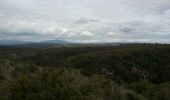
[(125, 72)]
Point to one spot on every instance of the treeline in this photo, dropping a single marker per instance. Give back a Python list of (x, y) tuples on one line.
[(65, 84), (125, 72)]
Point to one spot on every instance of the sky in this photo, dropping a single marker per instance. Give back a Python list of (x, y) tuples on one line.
[(86, 20)]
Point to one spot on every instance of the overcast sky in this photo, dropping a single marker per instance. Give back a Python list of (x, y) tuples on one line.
[(85, 20)]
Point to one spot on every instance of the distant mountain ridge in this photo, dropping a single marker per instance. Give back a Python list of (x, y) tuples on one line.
[(19, 42), (12, 42), (55, 42)]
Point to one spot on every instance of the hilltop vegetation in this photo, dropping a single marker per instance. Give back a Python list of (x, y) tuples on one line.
[(125, 72)]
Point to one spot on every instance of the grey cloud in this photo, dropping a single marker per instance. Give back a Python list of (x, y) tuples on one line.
[(126, 29), (85, 19)]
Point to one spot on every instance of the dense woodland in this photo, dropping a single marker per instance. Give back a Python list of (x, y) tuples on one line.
[(122, 72)]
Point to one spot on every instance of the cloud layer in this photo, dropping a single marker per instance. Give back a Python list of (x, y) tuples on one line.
[(86, 20)]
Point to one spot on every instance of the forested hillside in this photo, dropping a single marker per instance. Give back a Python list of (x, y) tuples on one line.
[(123, 72)]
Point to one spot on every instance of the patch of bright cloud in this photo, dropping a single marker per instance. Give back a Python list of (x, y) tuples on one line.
[(86, 33)]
